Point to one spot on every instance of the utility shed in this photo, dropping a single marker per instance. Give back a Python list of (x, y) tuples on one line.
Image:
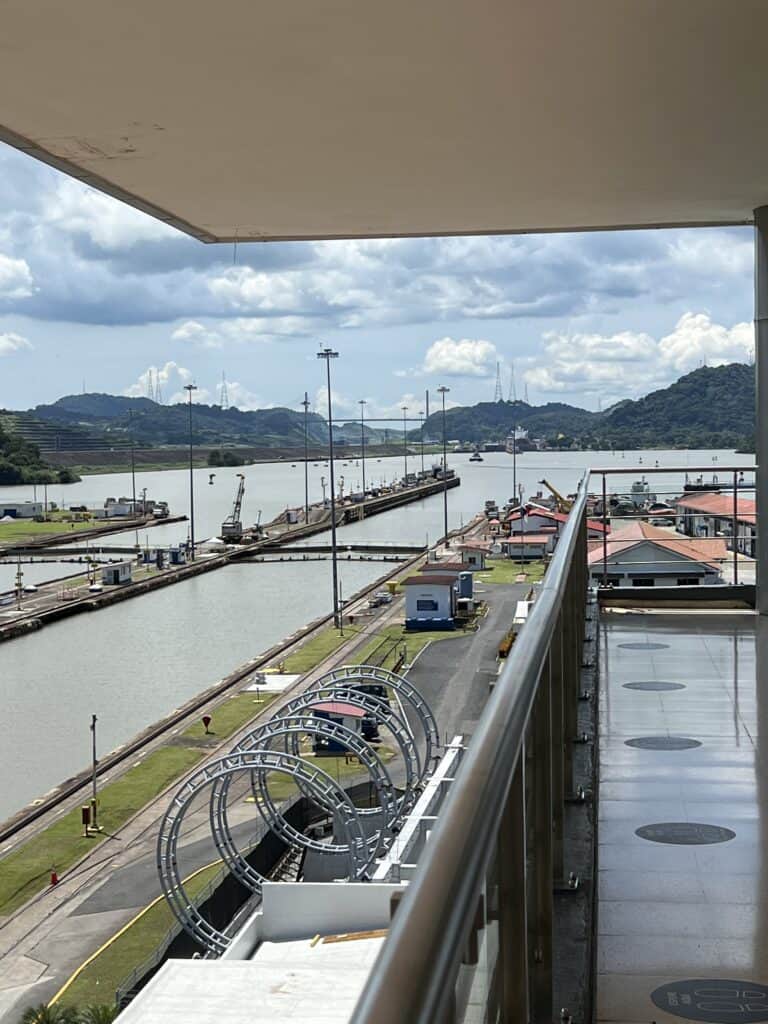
[(20, 509), (116, 573), (430, 601), (528, 546)]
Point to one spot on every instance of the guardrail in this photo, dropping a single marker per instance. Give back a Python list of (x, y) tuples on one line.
[(472, 938)]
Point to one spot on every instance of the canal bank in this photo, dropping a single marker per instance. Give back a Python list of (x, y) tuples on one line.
[(52, 602)]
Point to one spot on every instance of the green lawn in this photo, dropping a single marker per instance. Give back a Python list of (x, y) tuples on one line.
[(414, 642), (98, 982), (27, 871), (28, 529), (506, 570), (230, 716), (315, 650)]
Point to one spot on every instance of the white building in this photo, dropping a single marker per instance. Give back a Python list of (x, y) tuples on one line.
[(116, 573), (641, 555), (20, 509), (528, 547), (430, 600)]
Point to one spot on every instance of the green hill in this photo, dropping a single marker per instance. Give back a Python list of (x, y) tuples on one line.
[(712, 407), (21, 463)]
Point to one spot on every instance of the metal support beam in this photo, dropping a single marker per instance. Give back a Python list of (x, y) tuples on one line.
[(513, 904), (761, 403), (541, 980)]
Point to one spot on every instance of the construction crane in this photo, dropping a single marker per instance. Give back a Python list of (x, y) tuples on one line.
[(232, 527), (563, 504)]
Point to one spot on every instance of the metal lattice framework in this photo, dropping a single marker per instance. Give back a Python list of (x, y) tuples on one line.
[(353, 675), (291, 730), (256, 757), (323, 788)]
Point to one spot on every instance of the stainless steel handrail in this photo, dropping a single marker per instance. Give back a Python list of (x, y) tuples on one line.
[(416, 969)]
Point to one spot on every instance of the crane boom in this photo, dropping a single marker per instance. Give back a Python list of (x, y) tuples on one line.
[(232, 527), (563, 505)]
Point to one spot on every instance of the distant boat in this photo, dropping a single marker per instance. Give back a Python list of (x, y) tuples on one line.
[(476, 457), (293, 465)]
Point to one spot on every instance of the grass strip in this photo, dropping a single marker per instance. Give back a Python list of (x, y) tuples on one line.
[(99, 981), (230, 716), (317, 649), (27, 870), (413, 642), (506, 570)]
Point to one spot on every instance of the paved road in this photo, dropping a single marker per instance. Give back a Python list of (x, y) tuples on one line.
[(454, 675)]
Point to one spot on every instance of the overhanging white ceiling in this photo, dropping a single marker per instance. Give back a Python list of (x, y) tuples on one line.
[(280, 119)]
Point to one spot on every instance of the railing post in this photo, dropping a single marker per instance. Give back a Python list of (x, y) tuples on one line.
[(541, 984), (571, 657), (735, 529), (559, 741), (513, 903)]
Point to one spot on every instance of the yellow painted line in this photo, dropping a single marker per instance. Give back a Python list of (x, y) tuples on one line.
[(86, 963)]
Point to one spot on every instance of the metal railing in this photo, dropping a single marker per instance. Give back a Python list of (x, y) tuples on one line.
[(734, 523), (472, 938)]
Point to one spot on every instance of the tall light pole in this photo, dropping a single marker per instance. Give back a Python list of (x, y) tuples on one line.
[(305, 403), (405, 447), (443, 391), (133, 461), (94, 763), (362, 404), (189, 388), (328, 354), (421, 417)]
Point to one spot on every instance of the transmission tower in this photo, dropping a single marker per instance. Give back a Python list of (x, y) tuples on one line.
[(498, 395), (150, 385), (158, 391), (512, 396), (526, 394), (224, 392)]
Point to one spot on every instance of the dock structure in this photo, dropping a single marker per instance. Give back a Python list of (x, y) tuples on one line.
[(61, 599)]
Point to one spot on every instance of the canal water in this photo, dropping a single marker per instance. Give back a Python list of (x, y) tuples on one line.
[(134, 662)]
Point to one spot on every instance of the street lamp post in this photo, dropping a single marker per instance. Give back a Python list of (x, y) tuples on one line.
[(362, 404), (305, 403), (189, 388), (443, 391), (328, 354), (421, 434), (405, 448), (133, 461), (94, 763)]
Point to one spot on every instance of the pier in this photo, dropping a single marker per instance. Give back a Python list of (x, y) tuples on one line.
[(51, 602)]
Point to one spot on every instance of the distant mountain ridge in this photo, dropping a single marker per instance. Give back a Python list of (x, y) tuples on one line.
[(710, 407), (713, 406)]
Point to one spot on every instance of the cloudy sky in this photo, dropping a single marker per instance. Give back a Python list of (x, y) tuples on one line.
[(94, 294)]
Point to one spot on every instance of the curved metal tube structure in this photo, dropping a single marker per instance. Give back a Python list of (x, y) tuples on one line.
[(406, 691), (323, 788), (292, 729), (256, 756)]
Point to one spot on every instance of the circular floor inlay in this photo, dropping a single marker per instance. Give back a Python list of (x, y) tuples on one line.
[(663, 743), (654, 684), (714, 1001), (685, 833), (643, 645)]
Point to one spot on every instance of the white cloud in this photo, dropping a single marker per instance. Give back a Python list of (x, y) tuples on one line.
[(15, 278), (171, 376), (464, 358), (242, 398), (629, 364), (110, 224), (696, 339), (10, 343), (243, 330)]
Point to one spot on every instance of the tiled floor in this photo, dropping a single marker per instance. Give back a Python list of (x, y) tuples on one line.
[(674, 913)]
